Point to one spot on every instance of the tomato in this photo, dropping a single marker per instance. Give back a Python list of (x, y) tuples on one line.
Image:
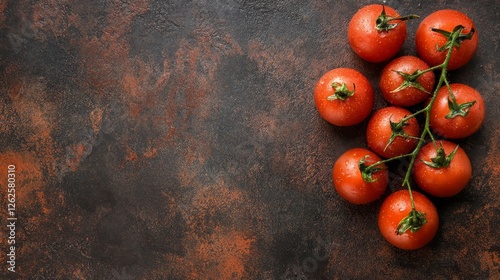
[(469, 111), (386, 137), (426, 40), (399, 87), (348, 180), (396, 207), (375, 40), (344, 97), (449, 179)]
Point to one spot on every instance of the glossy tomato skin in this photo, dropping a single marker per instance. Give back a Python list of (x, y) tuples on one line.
[(369, 43), (347, 178), (458, 126), (354, 109), (379, 132), (390, 80), (426, 39), (444, 181), (396, 207)]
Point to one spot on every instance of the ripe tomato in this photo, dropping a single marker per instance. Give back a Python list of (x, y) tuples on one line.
[(344, 97), (348, 179), (396, 207), (373, 38), (399, 87), (447, 180), (387, 136), (469, 108), (427, 40)]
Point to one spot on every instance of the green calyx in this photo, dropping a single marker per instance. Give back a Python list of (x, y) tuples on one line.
[(341, 92), (458, 109), (410, 81), (368, 170), (459, 39), (441, 159), (384, 23), (397, 129), (413, 222)]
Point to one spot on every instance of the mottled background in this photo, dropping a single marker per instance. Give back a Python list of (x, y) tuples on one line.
[(179, 140)]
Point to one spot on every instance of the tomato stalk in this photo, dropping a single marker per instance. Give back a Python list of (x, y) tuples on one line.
[(457, 109), (458, 38), (455, 35), (341, 92), (410, 80), (372, 168), (397, 131), (415, 219), (367, 171), (441, 159), (384, 22)]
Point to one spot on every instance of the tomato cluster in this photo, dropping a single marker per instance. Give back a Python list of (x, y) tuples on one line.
[(445, 40)]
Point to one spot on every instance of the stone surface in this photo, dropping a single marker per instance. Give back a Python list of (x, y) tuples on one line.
[(179, 140)]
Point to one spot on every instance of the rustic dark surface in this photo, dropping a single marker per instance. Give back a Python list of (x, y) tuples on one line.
[(179, 140)]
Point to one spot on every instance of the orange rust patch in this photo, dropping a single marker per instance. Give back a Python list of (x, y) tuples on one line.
[(217, 199), (151, 152), (29, 179), (137, 157), (49, 16), (96, 119), (38, 118), (130, 85), (223, 255), (194, 155), (490, 261), (491, 165), (218, 242), (131, 154), (15, 89), (142, 87), (110, 51), (492, 168), (3, 5), (214, 249), (78, 152)]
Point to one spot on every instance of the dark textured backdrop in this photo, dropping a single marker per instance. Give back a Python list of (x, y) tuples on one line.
[(179, 140)]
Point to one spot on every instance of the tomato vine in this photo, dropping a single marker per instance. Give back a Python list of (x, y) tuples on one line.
[(416, 219), (445, 40)]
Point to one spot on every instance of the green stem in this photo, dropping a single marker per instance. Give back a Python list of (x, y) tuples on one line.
[(380, 162), (415, 219), (426, 131), (384, 22), (440, 66), (414, 114)]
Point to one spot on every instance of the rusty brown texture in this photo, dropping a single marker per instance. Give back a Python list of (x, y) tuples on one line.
[(179, 140)]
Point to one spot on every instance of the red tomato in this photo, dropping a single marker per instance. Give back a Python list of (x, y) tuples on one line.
[(406, 91), (344, 97), (447, 180), (464, 124), (396, 207), (427, 40), (348, 180), (383, 129), (372, 41)]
